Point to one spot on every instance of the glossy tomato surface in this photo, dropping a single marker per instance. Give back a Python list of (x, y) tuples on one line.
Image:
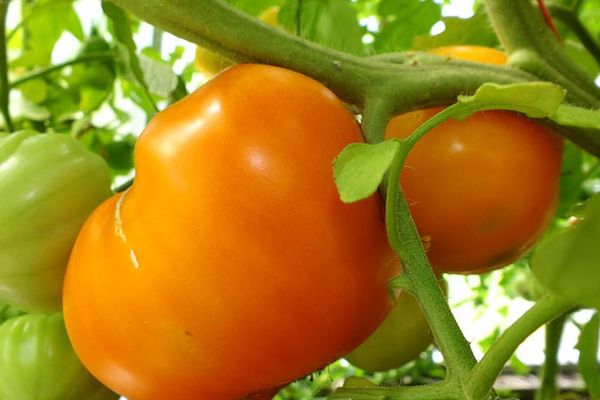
[(481, 190), (231, 266)]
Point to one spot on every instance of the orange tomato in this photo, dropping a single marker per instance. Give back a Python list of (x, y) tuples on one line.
[(482, 190), (230, 267), (472, 53)]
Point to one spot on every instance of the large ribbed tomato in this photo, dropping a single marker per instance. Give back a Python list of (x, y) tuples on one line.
[(231, 266), (482, 190)]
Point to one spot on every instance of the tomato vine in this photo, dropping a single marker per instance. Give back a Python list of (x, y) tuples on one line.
[(386, 86)]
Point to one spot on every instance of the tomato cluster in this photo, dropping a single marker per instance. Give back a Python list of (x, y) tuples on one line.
[(231, 258)]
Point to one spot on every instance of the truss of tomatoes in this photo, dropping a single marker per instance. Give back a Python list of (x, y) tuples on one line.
[(231, 259)]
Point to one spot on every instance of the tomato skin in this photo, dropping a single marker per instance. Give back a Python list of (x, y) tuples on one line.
[(401, 337), (234, 262), (481, 54), (482, 190), (50, 185), (37, 362)]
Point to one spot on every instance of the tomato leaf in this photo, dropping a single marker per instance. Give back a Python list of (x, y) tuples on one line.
[(159, 77), (568, 262), (333, 23), (535, 99), (124, 35), (588, 348), (476, 30), (359, 168), (401, 21), (569, 115), (571, 179)]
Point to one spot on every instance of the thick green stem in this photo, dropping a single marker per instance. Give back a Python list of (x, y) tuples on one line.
[(525, 35), (417, 84), (554, 330), (217, 25), (487, 370), (569, 17), (45, 71), (375, 118), (405, 240), (4, 88)]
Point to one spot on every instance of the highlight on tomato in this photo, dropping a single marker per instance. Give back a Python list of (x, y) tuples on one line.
[(481, 190), (230, 267)]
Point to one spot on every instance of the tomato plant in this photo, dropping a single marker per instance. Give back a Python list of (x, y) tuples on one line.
[(54, 184), (401, 337), (231, 267), (460, 180), (231, 248), (211, 63), (38, 362)]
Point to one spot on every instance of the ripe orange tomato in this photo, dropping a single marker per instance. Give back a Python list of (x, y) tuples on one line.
[(482, 190), (230, 267)]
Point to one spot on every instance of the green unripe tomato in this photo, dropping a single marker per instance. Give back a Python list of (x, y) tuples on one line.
[(37, 362), (49, 184), (400, 338)]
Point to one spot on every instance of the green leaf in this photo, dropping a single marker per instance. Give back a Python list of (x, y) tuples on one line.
[(124, 35), (476, 30), (254, 7), (159, 77), (588, 348), (568, 115), (402, 21), (584, 59), (360, 167), (571, 179), (568, 262), (332, 23), (45, 22), (34, 90), (535, 99)]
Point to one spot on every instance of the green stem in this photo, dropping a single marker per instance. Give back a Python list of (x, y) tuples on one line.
[(436, 391), (569, 17), (219, 26), (554, 330), (484, 374), (45, 71), (405, 240), (413, 85), (4, 87), (525, 35), (157, 36), (375, 118)]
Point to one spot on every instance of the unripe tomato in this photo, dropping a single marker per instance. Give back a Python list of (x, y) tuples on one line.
[(37, 362), (231, 266), (401, 337), (482, 190), (50, 184)]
